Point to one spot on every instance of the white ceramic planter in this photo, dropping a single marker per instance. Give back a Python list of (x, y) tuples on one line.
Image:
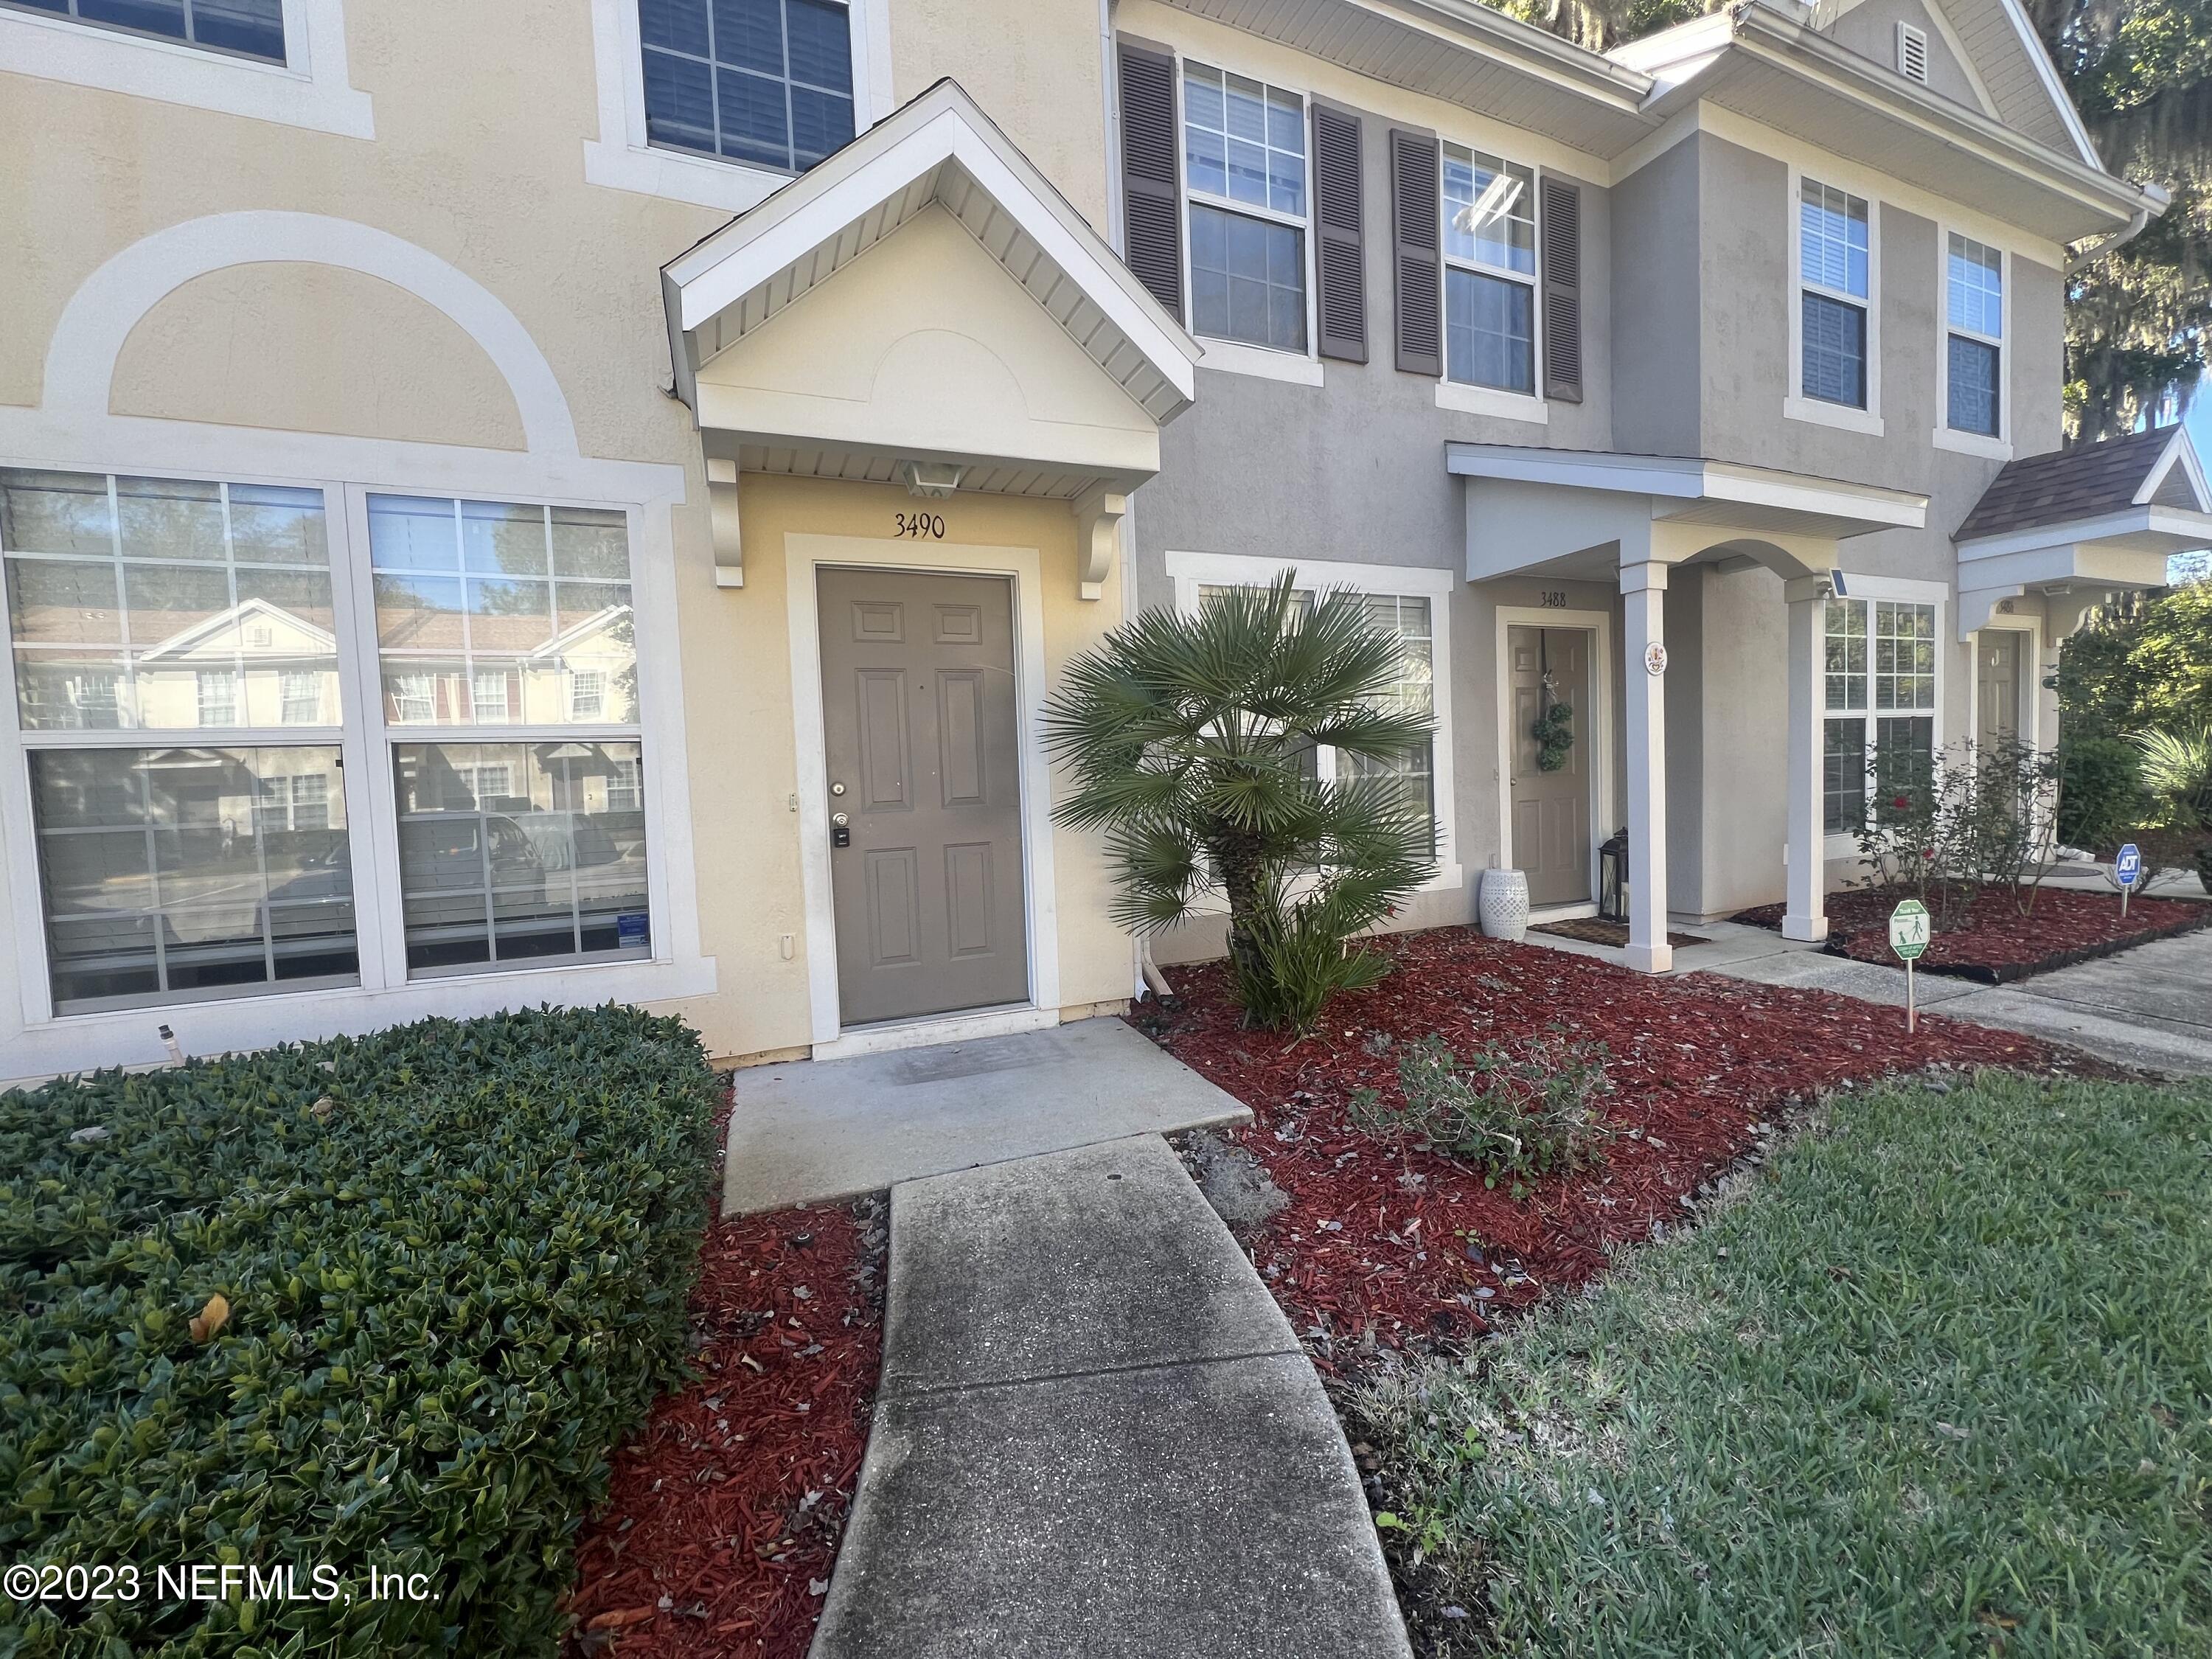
[(1503, 904)]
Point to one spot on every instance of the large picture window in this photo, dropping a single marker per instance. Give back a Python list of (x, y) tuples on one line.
[(1879, 734), (247, 28), (768, 81), (1244, 167), (1489, 240), (177, 648), (1974, 345), (1834, 265)]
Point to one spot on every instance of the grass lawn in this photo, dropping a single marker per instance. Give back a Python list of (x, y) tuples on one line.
[(1938, 1380)]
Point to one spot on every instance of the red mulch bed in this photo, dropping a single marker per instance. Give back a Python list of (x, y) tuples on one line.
[(727, 1509), (1991, 941), (1380, 1248)]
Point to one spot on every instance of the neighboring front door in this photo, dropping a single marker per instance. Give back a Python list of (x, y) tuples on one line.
[(921, 733), (1997, 660), (1551, 808)]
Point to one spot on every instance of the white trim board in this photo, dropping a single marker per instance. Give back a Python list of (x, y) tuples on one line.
[(804, 552), (312, 89), (1603, 805)]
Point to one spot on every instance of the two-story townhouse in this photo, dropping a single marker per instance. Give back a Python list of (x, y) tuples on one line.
[(387, 634), (590, 503), (1660, 384)]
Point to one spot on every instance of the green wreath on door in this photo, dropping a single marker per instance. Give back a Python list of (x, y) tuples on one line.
[(1554, 731)]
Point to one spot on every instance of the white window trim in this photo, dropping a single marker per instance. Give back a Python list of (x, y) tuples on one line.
[(35, 1042), (621, 159), (312, 88), (1796, 406), (1467, 399), (1947, 436), (1466, 396), (1911, 590), (1190, 571), (1242, 356)]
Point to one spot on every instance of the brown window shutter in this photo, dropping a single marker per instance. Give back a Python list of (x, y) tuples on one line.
[(1337, 219), (1563, 291), (1150, 213), (1416, 263)]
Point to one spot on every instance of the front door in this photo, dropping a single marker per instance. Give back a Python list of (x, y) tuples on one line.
[(919, 732), (1997, 660), (1551, 805)]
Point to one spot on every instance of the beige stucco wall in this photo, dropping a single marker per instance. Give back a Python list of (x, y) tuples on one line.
[(737, 649), (478, 159), (254, 345), (926, 342)]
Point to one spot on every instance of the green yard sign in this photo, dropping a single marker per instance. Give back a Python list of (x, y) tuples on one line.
[(1908, 929), (1908, 937)]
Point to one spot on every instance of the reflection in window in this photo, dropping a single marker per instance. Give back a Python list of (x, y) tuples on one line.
[(251, 28), (170, 874), (768, 82), (490, 613), (134, 603), (516, 854), (1832, 249)]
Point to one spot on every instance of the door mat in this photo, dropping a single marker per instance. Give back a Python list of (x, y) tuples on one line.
[(1590, 930)]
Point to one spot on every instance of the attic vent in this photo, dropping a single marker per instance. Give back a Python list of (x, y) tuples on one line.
[(1912, 53)]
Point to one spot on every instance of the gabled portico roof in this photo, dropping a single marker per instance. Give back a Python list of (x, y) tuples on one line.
[(941, 148), (2082, 521)]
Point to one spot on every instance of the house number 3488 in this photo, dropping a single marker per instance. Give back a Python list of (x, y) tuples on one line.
[(920, 527)]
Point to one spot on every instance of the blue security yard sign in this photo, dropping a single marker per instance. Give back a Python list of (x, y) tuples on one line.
[(2127, 870)]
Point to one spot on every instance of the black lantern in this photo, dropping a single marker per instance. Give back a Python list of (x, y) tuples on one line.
[(1612, 878)]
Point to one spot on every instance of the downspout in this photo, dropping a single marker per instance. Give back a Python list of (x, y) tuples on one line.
[(2156, 199)]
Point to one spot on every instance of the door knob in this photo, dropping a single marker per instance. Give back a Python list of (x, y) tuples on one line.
[(838, 819)]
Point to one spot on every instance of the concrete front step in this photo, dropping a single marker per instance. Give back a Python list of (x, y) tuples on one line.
[(1096, 1436)]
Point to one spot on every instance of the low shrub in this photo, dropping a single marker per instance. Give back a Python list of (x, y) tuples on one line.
[(1516, 1112), (2101, 795), (384, 1301), (1298, 958)]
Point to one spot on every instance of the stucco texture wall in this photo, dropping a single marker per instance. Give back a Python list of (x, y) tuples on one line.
[(737, 647)]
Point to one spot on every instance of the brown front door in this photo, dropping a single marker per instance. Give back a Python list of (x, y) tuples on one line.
[(924, 763), (1996, 666), (1551, 808)]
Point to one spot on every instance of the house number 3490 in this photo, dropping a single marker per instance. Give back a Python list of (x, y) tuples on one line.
[(920, 527)]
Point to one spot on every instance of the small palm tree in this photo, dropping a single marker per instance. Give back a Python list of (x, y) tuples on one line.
[(2177, 766), (1192, 739)]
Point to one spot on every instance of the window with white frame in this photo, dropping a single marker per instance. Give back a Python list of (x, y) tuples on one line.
[(1879, 675), (175, 646), (245, 28), (1834, 289), (1244, 169), (764, 81), (1489, 240), (1974, 345), (1407, 618)]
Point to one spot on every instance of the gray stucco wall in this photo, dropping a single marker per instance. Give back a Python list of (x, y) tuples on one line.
[(1870, 30), (1658, 381), (1353, 471)]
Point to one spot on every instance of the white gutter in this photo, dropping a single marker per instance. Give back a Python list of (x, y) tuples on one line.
[(2156, 199)]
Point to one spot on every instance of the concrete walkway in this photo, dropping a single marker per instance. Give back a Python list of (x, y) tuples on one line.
[(2150, 1006), (812, 1130), (1098, 1437)]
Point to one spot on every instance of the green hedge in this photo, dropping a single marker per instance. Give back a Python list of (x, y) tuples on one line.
[(458, 1255)]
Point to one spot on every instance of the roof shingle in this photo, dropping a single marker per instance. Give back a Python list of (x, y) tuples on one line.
[(2085, 482)]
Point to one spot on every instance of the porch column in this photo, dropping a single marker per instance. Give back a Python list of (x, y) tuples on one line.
[(1805, 883), (1643, 637)]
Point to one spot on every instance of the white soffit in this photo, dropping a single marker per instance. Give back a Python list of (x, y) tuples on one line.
[(1694, 491), (940, 150), (1464, 53)]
